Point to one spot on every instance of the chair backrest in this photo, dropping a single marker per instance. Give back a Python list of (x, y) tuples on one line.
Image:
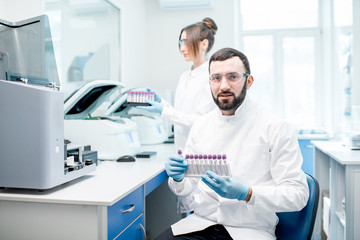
[(299, 225)]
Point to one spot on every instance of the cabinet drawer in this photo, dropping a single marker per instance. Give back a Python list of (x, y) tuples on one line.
[(134, 231), (124, 212)]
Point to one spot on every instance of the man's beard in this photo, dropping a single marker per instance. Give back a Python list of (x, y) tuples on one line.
[(227, 105)]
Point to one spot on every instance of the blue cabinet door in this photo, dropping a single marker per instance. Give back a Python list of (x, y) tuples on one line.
[(307, 151), (134, 232), (124, 212)]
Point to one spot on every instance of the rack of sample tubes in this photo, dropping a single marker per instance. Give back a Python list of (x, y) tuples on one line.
[(138, 98), (199, 164)]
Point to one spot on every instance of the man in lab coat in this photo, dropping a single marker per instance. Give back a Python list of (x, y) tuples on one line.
[(263, 155)]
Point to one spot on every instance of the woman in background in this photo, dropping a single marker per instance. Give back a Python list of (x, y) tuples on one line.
[(193, 96)]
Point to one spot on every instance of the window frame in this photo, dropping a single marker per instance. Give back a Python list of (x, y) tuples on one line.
[(278, 53)]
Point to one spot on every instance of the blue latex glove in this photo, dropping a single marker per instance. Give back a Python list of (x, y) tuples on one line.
[(157, 98), (175, 167), (226, 188), (155, 107)]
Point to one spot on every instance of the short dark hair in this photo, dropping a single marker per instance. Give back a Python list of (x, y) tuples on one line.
[(226, 53)]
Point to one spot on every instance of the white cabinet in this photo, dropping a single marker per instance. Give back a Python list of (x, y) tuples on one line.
[(337, 170)]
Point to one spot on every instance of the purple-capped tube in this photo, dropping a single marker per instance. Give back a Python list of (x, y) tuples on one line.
[(152, 94), (200, 164), (213, 165), (190, 166), (217, 167), (205, 165), (143, 96), (196, 164), (226, 167)]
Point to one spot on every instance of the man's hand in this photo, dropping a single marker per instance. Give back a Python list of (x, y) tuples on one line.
[(227, 188), (175, 167)]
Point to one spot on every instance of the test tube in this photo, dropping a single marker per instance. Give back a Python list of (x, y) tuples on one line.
[(201, 164), (142, 97), (226, 167), (190, 165), (197, 164)]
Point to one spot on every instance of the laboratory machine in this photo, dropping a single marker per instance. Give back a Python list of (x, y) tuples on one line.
[(111, 138), (151, 128), (33, 151)]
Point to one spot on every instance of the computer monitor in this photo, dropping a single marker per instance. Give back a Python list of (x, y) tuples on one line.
[(27, 53)]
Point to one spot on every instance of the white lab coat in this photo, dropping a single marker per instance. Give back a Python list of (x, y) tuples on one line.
[(192, 100), (263, 152)]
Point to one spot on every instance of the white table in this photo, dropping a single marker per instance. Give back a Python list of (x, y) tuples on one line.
[(337, 169), (85, 208)]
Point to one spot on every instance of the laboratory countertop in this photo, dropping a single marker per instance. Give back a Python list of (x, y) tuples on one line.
[(313, 134), (110, 182), (339, 152)]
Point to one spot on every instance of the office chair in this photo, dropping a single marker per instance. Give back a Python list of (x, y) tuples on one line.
[(299, 225)]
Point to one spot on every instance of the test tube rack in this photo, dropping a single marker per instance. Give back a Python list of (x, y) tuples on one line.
[(138, 98), (199, 164)]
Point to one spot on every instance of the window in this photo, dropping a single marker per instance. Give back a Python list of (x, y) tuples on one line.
[(283, 47), (279, 14)]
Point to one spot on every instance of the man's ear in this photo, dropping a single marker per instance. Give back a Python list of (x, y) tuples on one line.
[(249, 81)]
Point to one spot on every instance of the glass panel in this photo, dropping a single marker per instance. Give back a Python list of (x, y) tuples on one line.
[(343, 12), (26, 52), (299, 81), (265, 14), (86, 41), (262, 68)]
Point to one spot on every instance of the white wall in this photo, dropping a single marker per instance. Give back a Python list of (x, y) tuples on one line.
[(133, 42), (16, 10), (164, 61)]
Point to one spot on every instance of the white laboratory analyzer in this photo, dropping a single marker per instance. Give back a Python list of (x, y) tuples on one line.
[(33, 153), (111, 138)]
